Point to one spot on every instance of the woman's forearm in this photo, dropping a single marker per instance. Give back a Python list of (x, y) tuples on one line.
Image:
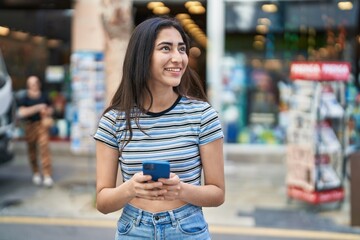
[(204, 196), (113, 199)]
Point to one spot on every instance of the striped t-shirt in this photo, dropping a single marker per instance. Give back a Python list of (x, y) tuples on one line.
[(173, 135)]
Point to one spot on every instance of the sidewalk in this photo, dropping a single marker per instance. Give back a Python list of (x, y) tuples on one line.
[(255, 193)]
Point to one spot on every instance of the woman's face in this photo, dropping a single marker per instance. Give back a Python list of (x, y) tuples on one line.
[(169, 59)]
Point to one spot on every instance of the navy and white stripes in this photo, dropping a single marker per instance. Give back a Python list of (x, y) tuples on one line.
[(173, 135)]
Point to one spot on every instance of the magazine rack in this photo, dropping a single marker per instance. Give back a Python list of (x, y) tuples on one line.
[(315, 135)]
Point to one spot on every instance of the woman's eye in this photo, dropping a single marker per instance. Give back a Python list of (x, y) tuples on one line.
[(182, 49), (165, 48)]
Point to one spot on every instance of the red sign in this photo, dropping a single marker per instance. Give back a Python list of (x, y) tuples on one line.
[(315, 197), (320, 71)]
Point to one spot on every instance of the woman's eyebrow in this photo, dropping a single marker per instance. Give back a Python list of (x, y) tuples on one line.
[(170, 43)]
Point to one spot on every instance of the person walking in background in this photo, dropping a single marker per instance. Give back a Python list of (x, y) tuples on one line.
[(34, 109), (159, 112)]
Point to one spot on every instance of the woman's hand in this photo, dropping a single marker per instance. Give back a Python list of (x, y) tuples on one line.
[(143, 187), (172, 186)]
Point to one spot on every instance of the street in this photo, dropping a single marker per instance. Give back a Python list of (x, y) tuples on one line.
[(67, 210), (70, 229)]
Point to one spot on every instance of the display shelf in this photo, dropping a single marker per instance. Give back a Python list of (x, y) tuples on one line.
[(315, 145), (316, 197), (88, 98)]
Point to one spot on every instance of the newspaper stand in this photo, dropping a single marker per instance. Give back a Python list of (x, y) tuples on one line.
[(315, 134)]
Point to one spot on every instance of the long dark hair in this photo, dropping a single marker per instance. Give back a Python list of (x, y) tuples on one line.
[(133, 88)]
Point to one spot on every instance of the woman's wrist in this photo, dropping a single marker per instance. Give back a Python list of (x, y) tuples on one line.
[(129, 190), (182, 191)]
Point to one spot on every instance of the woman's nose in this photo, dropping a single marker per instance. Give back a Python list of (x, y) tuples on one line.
[(176, 57)]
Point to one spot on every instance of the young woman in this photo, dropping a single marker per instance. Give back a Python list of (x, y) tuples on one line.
[(160, 113)]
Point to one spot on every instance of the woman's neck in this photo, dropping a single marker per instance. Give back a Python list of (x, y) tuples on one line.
[(161, 102)]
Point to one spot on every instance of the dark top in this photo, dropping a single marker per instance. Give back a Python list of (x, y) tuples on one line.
[(26, 101)]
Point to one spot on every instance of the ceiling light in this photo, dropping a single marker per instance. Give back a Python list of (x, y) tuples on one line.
[(189, 4), (195, 31), (19, 35), (38, 39), (258, 45), (201, 36), (203, 42), (152, 5), (269, 7), (260, 38), (53, 43), (4, 31), (190, 26), (264, 21), (197, 10), (186, 21), (182, 16), (345, 5), (161, 10), (263, 29)]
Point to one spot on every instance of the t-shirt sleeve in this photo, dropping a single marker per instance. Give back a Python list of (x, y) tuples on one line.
[(21, 101), (210, 127), (106, 131)]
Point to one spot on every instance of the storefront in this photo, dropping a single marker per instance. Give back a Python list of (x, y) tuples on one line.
[(257, 41), (262, 38), (35, 38), (253, 49)]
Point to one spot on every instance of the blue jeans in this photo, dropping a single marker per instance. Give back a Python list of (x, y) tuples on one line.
[(186, 222)]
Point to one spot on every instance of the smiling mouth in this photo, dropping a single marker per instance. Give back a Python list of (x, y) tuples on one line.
[(173, 69)]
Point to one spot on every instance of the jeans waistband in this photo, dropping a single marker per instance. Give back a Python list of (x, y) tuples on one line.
[(165, 217)]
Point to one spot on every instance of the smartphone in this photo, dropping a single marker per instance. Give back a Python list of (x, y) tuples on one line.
[(156, 169)]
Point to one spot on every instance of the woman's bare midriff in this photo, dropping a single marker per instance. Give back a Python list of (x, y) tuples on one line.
[(155, 206)]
